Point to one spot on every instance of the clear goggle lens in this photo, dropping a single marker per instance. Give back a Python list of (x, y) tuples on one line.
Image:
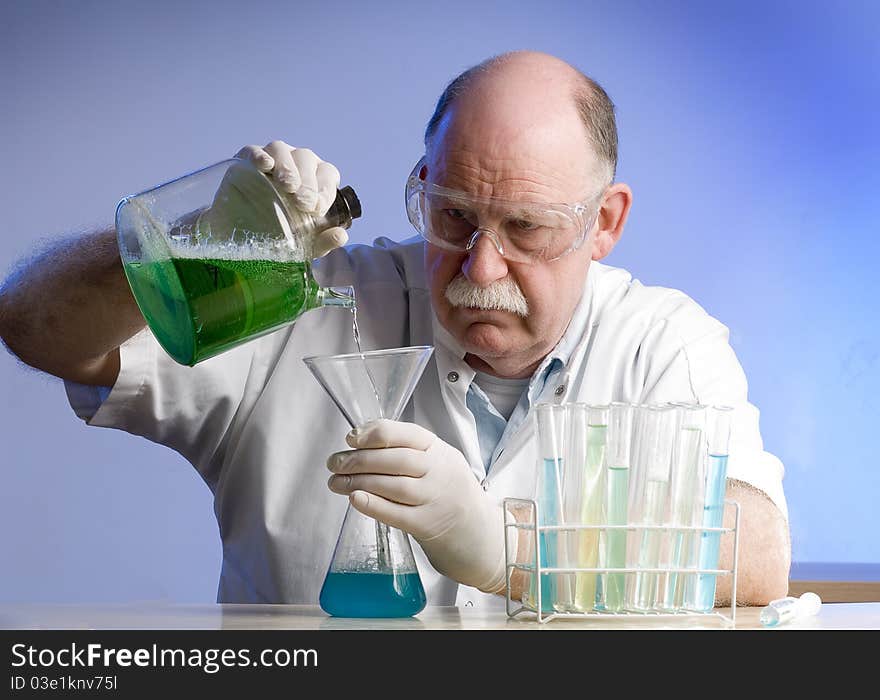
[(523, 231)]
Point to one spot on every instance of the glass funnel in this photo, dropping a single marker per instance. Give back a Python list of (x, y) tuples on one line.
[(373, 572)]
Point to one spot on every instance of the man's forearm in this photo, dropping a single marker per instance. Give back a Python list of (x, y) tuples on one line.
[(764, 558), (67, 309)]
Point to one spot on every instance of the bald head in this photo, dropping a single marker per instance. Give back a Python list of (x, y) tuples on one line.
[(532, 90)]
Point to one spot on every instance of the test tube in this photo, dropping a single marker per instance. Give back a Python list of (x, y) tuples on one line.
[(687, 484), (718, 422), (617, 458), (551, 440), (593, 512), (649, 502), (574, 461), (589, 427), (635, 497)]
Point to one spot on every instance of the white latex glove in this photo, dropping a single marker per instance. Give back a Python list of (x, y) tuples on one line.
[(310, 182), (405, 476)]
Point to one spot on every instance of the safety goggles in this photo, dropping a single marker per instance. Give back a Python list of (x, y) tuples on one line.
[(523, 232)]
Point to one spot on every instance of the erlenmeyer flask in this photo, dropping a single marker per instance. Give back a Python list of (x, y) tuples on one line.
[(373, 572)]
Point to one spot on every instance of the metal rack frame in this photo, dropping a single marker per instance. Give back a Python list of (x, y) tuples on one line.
[(535, 568)]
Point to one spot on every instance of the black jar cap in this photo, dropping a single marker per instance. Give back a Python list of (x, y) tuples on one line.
[(351, 199)]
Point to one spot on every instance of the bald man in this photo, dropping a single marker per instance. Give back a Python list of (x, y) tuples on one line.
[(515, 202)]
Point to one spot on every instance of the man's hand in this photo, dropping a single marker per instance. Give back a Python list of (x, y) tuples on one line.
[(310, 183), (405, 476)]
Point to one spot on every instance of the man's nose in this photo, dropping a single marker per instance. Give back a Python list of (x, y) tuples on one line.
[(485, 261)]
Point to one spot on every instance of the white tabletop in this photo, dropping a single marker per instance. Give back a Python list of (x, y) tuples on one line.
[(226, 616)]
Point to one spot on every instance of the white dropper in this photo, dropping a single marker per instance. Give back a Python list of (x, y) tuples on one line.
[(784, 610)]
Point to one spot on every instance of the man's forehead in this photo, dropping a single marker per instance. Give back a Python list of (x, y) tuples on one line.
[(493, 123), (547, 154), (518, 176)]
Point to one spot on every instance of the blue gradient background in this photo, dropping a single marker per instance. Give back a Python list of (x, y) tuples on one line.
[(748, 133)]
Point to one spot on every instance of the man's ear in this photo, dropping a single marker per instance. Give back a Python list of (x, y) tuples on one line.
[(613, 211)]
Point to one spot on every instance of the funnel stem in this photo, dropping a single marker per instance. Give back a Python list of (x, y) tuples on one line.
[(383, 546)]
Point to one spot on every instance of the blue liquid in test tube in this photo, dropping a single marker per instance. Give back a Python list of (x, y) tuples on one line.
[(548, 542), (551, 421), (718, 435), (710, 542)]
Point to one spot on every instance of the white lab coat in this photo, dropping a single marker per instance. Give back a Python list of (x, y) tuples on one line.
[(258, 427)]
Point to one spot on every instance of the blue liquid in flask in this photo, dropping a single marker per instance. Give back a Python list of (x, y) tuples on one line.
[(372, 594)]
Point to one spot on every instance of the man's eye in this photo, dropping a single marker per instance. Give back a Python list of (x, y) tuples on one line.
[(530, 244), (525, 225), (455, 213)]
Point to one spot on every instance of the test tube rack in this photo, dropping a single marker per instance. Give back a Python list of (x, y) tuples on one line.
[(536, 567)]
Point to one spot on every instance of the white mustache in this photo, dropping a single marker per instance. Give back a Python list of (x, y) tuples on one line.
[(503, 295)]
